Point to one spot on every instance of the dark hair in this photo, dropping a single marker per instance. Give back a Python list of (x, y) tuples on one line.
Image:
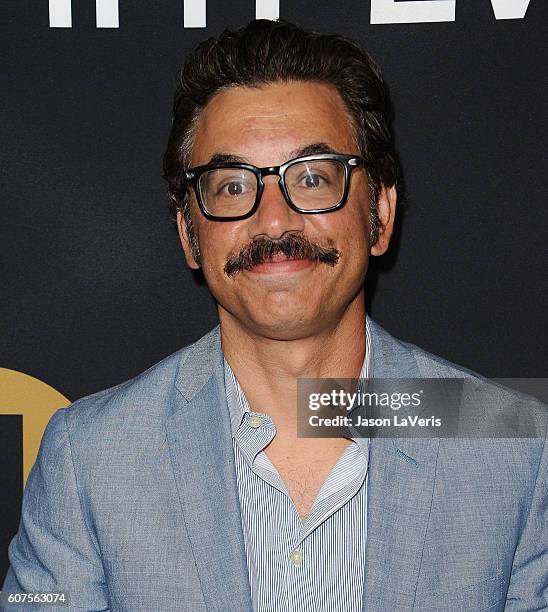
[(266, 52)]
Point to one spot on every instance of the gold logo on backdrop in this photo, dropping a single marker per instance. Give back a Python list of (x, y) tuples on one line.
[(21, 394)]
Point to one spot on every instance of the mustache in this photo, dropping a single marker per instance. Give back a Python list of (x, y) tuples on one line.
[(293, 246)]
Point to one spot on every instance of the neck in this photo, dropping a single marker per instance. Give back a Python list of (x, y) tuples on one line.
[(267, 369)]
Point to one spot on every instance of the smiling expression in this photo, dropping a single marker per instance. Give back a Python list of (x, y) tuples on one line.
[(281, 298)]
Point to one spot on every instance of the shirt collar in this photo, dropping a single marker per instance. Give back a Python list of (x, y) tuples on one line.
[(238, 406)]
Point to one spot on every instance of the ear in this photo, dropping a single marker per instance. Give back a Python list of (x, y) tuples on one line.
[(386, 208), (185, 240)]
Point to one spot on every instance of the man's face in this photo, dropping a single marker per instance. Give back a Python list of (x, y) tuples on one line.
[(294, 298)]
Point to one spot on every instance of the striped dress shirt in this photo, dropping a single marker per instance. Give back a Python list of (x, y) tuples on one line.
[(314, 566)]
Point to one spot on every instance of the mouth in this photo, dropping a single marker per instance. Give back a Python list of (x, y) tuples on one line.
[(280, 263), (291, 253)]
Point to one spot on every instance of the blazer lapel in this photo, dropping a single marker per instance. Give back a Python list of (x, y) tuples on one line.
[(200, 442), (401, 476)]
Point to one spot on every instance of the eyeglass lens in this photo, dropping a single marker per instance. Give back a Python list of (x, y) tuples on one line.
[(228, 192)]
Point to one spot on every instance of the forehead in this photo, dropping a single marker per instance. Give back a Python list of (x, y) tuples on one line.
[(265, 124)]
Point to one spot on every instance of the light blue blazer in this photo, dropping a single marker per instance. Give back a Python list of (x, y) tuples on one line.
[(132, 505)]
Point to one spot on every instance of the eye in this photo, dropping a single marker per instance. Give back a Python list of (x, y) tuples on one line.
[(311, 180), (232, 189)]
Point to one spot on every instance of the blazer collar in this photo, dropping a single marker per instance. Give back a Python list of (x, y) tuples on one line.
[(198, 364), (390, 358)]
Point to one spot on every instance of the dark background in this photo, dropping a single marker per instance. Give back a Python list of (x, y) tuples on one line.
[(94, 285)]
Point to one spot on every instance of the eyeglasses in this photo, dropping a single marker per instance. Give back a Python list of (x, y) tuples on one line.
[(312, 184)]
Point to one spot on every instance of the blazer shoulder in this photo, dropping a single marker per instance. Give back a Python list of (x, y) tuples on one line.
[(407, 360), (146, 398), (436, 366), (410, 359)]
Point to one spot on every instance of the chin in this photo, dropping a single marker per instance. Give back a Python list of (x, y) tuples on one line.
[(283, 316), (284, 326)]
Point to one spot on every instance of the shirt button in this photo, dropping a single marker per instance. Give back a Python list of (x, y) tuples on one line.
[(296, 557), (255, 421)]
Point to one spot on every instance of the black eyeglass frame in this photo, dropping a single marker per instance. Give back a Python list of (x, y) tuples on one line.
[(192, 176)]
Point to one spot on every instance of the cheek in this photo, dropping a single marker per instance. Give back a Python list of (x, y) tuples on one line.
[(354, 230), (355, 244), (360, 225), (218, 240)]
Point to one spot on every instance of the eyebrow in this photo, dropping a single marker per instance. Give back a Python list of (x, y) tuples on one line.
[(315, 148)]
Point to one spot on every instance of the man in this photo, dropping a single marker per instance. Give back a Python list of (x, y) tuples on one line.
[(188, 488)]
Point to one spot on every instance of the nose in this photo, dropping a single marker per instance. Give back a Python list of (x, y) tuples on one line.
[(274, 216)]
